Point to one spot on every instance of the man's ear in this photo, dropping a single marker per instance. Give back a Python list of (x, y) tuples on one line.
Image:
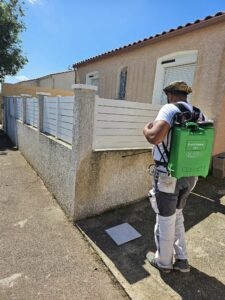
[(168, 95)]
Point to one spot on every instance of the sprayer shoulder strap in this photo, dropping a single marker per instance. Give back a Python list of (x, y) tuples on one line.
[(196, 111), (183, 109)]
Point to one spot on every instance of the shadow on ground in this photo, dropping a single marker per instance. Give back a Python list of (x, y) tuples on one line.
[(5, 143), (130, 258), (195, 285)]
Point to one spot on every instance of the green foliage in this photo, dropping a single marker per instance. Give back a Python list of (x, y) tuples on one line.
[(11, 26)]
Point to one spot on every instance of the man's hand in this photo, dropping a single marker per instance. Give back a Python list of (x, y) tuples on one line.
[(155, 132), (149, 125)]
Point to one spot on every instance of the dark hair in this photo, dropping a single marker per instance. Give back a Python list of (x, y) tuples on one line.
[(178, 93)]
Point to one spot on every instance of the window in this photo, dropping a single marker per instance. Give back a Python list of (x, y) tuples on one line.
[(122, 83), (92, 79), (173, 67)]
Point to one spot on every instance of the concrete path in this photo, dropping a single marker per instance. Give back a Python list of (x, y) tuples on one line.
[(205, 233), (42, 255)]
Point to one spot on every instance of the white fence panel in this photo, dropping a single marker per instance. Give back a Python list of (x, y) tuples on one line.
[(50, 115), (58, 117), (65, 118), (36, 112), (32, 111), (11, 106), (19, 108), (119, 124)]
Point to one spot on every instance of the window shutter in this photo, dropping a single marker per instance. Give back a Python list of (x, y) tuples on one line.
[(123, 81), (181, 72), (94, 81)]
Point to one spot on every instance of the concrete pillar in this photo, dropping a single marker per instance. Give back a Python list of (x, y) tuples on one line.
[(41, 96), (83, 125), (83, 122), (24, 97)]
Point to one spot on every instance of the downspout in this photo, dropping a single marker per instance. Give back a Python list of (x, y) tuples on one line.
[(76, 74)]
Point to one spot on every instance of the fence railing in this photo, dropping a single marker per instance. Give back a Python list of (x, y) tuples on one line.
[(57, 114), (58, 117), (119, 124), (32, 111), (19, 108)]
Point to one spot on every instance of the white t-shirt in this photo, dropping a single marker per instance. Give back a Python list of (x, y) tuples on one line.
[(167, 113)]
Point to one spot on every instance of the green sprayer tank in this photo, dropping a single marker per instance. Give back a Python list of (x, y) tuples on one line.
[(191, 149)]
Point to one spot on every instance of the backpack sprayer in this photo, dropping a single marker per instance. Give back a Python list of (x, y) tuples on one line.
[(191, 145), (191, 149)]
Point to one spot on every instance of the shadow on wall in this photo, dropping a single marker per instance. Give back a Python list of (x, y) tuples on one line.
[(130, 258)]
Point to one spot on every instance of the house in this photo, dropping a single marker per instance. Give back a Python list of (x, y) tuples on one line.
[(60, 80), (194, 52)]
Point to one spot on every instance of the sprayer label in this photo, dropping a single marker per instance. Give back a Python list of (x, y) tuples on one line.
[(196, 145)]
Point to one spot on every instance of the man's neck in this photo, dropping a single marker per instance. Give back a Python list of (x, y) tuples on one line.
[(179, 100)]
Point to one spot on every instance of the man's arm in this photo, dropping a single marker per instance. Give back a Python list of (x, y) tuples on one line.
[(155, 132)]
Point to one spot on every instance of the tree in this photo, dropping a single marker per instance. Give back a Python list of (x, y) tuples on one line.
[(12, 58)]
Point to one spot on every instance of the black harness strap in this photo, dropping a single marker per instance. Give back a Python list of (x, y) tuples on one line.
[(186, 114), (183, 116)]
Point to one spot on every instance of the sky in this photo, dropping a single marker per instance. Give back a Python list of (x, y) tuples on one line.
[(62, 32)]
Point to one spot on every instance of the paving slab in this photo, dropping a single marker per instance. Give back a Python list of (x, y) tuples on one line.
[(205, 228), (42, 254)]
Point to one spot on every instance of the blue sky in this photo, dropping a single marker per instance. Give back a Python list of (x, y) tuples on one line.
[(61, 32)]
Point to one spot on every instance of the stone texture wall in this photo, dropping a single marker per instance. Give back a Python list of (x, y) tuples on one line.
[(106, 179), (52, 160)]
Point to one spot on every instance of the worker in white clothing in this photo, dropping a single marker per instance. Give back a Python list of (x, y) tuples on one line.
[(168, 195)]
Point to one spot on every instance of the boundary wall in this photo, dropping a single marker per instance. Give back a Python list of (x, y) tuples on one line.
[(84, 180)]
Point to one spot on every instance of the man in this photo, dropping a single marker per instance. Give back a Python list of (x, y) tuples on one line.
[(168, 196)]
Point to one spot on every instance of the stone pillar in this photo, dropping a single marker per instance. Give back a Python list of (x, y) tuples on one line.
[(41, 96), (24, 97), (83, 126)]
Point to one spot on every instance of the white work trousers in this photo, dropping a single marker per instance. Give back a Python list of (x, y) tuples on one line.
[(169, 238)]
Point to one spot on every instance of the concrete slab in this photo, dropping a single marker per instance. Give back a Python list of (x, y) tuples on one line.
[(42, 255), (122, 233), (205, 227)]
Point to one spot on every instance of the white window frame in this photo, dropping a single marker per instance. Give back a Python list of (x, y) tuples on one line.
[(181, 58), (90, 76)]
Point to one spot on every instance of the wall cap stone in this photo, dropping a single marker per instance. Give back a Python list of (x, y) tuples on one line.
[(84, 87), (43, 94), (26, 95)]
